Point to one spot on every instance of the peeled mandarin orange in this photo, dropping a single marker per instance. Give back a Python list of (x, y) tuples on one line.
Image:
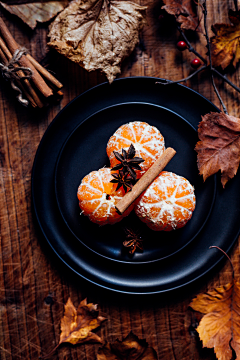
[(146, 139), (97, 197), (167, 204)]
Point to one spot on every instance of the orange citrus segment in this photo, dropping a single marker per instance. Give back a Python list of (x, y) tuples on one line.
[(147, 140), (98, 196), (167, 204)]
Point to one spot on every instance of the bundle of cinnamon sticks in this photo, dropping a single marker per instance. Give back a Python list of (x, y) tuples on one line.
[(38, 88)]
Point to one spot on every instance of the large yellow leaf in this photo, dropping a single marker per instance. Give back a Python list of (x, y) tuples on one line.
[(98, 34), (220, 326)]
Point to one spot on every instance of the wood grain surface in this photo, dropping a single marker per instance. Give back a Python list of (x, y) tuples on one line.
[(34, 285)]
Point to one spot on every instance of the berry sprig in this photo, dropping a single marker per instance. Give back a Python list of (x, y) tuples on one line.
[(182, 45), (200, 63)]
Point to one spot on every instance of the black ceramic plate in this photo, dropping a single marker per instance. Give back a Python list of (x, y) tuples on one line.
[(188, 264), (85, 151)]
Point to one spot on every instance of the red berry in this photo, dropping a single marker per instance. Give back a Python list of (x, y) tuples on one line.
[(195, 63), (181, 45)]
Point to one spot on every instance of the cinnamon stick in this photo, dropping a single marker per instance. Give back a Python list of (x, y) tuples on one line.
[(19, 84), (26, 82), (145, 180), (13, 46), (3, 57), (44, 72)]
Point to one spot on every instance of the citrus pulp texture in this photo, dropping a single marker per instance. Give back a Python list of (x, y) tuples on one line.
[(98, 196), (146, 139), (167, 204)]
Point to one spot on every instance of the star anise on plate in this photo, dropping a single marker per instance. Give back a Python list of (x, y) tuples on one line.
[(128, 161), (123, 179), (133, 241)]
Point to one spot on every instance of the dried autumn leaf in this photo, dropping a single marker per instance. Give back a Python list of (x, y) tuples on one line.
[(98, 34), (220, 326), (34, 12), (131, 348), (225, 45), (219, 146), (185, 13), (76, 324)]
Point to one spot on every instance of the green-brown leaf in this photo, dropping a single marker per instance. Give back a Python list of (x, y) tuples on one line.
[(225, 45)]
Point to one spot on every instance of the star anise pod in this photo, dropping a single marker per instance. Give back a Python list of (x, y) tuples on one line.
[(133, 241), (123, 179), (128, 161)]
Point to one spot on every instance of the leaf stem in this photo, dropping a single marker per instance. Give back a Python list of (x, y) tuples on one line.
[(210, 57), (216, 247)]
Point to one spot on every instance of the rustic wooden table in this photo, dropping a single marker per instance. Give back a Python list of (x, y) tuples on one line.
[(34, 285)]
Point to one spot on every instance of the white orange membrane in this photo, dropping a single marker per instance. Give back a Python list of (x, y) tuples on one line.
[(147, 140), (168, 203), (97, 197)]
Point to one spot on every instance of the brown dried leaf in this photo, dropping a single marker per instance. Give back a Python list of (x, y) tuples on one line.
[(76, 324), (220, 326), (31, 13), (185, 13), (131, 348), (225, 45), (219, 146), (98, 34)]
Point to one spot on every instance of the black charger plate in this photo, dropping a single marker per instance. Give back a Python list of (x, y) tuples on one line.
[(85, 151), (195, 259)]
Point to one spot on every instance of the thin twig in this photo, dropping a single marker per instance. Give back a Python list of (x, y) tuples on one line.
[(236, 4), (167, 82), (224, 78), (210, 58), (200, 19)]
